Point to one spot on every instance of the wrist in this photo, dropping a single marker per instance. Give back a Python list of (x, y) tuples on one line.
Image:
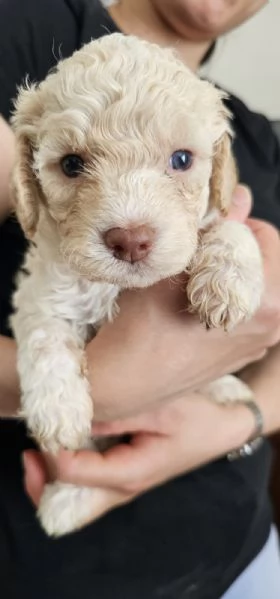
[(216, 429), (235, 427)]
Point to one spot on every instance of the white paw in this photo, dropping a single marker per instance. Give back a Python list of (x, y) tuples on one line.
[(222, 301), (228, 389), (226, 281), (62, 418), (64, 508)]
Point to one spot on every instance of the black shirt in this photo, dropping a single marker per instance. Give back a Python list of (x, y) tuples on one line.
[(192, 537)]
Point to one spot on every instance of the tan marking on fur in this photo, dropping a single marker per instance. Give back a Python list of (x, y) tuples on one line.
[(224, 176)]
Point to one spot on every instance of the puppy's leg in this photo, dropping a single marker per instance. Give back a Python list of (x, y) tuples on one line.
[(228, 389), (65, 508), (58, 409), (56, 401), (226, 278)]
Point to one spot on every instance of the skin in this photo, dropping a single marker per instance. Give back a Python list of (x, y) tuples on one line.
[(201, 20), (189, 25), (157, 404)]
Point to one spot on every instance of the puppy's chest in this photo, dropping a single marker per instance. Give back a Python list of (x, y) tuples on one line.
[(84, 303), (58, 292)]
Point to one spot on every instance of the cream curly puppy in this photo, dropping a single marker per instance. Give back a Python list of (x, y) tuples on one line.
[(123, 171)]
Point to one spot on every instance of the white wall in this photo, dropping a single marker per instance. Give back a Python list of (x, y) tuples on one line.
[(247, 61)]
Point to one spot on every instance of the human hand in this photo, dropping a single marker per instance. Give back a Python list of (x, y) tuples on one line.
[(174, 439), (178, 437), (155, 351)]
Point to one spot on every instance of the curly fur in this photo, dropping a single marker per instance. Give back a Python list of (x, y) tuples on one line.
[(124, 106)]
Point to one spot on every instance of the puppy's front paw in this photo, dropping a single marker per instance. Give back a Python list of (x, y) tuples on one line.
[(59, 416), (222, 298), (226, 281), (228, 389), (65, 508)]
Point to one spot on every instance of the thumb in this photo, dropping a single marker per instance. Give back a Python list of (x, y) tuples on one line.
[(35, 475), (241, 204)]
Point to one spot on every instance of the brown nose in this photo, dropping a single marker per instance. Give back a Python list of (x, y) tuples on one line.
[(130, 245)]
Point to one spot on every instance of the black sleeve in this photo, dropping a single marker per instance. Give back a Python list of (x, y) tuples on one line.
[(34, 34), (257, 152)]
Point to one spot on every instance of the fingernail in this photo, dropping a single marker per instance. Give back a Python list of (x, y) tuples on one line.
[(242, 195)]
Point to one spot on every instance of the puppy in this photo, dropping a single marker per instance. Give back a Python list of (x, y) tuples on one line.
[(122, 173)]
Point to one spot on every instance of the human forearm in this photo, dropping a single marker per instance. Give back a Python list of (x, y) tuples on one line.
[(155, 351), (9, 388), (149, 357)]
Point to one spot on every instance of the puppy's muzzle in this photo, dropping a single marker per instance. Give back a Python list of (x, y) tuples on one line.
[(130, 245)]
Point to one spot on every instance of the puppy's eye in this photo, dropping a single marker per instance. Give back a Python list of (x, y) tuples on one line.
[(72, 165), (181, 160)]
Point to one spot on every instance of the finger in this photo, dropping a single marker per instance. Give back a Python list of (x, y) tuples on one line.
[(142, 423), (35, 475), (241, 204), (267, 236), (121, 467)]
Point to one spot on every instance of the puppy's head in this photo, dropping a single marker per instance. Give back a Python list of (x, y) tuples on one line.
[(124, 152)]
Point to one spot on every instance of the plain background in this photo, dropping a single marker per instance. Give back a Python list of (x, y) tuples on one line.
[(247, 61)]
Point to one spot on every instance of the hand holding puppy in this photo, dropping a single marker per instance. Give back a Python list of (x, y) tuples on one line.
[(153, 328), (188, 431), (117, 195)]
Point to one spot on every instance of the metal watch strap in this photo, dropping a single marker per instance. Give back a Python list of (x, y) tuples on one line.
[(255, 440)]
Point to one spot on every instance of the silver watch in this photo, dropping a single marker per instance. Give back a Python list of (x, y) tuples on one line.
[(255, 440)]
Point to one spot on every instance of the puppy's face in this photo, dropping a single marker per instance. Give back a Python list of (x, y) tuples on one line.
[(124, 152)]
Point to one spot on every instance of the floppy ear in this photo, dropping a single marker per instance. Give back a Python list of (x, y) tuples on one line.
[(224, 176), (25, 187)]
